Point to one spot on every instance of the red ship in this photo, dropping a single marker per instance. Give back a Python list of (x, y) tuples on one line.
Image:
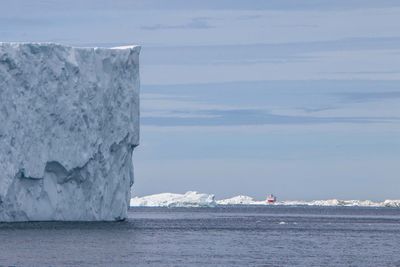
[(271, 198)]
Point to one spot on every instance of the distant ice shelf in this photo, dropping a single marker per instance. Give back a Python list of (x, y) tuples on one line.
[(189, 199), (195, 199)]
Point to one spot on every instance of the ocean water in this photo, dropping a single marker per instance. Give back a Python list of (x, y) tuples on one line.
[(222, 236)]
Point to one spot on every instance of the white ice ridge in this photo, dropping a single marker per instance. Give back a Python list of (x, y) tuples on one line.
[(69, 123), (194, 199), (189, 199), (246, 200)]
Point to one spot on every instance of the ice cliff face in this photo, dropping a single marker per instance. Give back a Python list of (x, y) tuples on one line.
[(69, 121)]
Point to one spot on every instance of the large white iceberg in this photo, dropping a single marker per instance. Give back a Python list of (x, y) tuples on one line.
[(189, 199), (69, 123)]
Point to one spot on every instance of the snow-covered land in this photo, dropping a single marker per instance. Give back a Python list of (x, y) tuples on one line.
[(194, 199), (189, 199), (69, 123)]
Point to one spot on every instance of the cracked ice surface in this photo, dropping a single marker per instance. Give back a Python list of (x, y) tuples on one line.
[(69, 121)]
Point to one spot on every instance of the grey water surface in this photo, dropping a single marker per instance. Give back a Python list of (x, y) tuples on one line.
[(222, 236)]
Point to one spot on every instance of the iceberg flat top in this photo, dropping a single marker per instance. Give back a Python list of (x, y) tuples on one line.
[(126, 47), (16, 44)]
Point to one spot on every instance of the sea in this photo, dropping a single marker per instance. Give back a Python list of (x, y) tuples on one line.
[(219, 236)]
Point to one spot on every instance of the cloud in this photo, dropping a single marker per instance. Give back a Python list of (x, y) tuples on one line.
[(195, 23), (296, 25), (295, 103), (368, 96), (280, 53), (250, 117), (249, 17)]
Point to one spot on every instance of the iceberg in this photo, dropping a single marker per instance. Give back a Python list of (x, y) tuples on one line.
[(246, 200), (348, 203), (391, 203), (69, 124), (194, 199), (189, 199), (240, 200)]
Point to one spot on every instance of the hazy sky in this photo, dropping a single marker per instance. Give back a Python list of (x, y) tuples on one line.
[(298, 98)]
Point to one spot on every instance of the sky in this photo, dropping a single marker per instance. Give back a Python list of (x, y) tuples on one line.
[(296, 98)]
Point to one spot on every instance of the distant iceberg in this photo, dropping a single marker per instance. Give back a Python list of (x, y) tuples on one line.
[(195, 199), (189, 199), (246, 200), (391, 203), (240, 200)]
